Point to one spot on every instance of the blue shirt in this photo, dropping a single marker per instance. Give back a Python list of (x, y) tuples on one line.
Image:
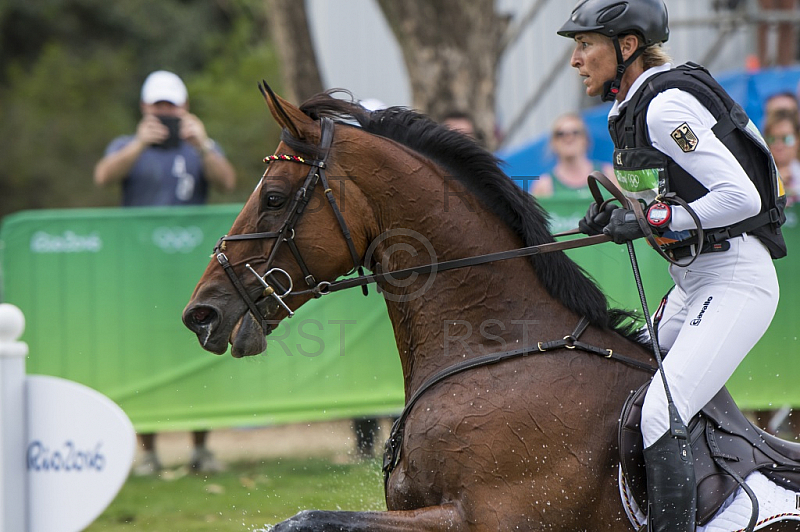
[(164, 176)]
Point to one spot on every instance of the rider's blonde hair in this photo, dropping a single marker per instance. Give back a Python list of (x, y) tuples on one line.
[(654, 56)]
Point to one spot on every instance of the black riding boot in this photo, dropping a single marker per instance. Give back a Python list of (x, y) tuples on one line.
[(671, 486)]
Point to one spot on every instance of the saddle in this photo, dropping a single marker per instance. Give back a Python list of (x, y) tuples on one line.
[(726, 448)]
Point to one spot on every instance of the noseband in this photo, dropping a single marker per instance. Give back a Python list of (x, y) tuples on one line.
[(286, 233)]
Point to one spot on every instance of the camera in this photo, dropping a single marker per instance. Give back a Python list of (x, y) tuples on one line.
[(173, 123)]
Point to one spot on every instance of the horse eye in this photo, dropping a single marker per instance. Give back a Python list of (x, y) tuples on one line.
[(275, 201)]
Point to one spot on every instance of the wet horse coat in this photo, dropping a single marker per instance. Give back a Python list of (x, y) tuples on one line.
[(527, 444)]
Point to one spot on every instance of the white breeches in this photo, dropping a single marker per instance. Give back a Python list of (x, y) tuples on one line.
[(720, 307)]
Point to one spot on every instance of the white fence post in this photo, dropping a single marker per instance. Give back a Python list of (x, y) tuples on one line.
[(13, 421)]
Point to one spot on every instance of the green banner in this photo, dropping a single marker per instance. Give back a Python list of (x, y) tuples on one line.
[(768, 376), (103, 290)]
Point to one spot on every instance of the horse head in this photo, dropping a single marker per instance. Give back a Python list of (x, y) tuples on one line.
[(292, 231), (391, 190)]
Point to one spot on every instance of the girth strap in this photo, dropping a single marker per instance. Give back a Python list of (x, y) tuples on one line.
[(720, 459)]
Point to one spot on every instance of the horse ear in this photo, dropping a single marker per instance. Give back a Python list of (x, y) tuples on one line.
[(286, 115)]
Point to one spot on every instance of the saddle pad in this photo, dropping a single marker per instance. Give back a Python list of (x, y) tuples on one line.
[(775, 504), (719, 432)]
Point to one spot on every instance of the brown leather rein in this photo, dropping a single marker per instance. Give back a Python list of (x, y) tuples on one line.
[(362, 280), (324, 288), (594, 178)]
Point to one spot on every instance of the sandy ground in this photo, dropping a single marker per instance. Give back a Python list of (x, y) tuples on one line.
[(333, 439)]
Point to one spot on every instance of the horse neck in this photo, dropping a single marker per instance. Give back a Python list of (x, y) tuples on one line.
[(463, 313)]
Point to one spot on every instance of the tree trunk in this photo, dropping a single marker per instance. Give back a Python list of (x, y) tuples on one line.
[(451, 49), (291, 35)]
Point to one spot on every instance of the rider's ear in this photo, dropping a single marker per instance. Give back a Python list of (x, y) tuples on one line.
[(628, 44), (287, 115)]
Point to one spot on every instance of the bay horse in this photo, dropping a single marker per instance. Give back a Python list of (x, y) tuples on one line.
[(528, 443)]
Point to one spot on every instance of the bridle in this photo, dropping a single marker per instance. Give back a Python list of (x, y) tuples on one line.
[(316, 174), (286, 234)]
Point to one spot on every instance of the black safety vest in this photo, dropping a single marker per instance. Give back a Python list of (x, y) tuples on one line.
[(644, 172)]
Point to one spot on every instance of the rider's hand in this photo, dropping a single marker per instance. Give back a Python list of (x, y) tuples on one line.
[(623, 226), (596, 219)]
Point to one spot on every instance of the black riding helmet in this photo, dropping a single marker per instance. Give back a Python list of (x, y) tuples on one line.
[(612, 18)]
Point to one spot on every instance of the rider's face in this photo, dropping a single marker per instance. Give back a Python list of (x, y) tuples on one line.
[(596, 60)]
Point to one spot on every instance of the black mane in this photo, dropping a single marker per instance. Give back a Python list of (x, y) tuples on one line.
[(479, 170)]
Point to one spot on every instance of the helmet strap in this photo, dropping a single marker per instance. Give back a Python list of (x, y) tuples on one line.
[(611, 87)]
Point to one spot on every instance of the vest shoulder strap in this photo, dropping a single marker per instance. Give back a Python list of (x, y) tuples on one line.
[(729, 116), (689, 77)]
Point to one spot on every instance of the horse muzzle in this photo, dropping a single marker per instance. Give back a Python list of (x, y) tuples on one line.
[(244, 333), (247, 337), (205, 321)]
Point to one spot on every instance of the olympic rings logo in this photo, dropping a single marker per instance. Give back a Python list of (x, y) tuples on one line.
[(177, 239)]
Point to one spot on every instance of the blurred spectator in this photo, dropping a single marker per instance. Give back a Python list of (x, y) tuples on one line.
[(782, 101), (463, 123), (569, 142), (169, 161), (365, 430), (777, 42), (782, 133)]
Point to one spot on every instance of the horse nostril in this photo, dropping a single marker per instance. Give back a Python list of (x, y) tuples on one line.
[(200, 318)]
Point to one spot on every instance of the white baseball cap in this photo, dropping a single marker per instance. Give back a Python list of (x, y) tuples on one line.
[(372, 104), (163, 86)]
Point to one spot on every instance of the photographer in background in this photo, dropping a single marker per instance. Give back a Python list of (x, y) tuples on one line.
[(170, 160)]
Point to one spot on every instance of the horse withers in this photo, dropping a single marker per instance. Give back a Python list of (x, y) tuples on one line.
[(527, 443)]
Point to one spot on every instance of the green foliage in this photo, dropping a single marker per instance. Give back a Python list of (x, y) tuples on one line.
[(56, 124), (70, 76), (245, 498), (226, 96)]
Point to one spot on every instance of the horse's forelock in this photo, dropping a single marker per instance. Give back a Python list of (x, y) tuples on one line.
[(301, 146)]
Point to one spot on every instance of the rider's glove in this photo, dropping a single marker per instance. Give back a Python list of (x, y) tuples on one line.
[(623, 226), (596, 219)]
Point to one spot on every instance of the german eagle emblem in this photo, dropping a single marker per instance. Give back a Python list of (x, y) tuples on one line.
[(685, 138)]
